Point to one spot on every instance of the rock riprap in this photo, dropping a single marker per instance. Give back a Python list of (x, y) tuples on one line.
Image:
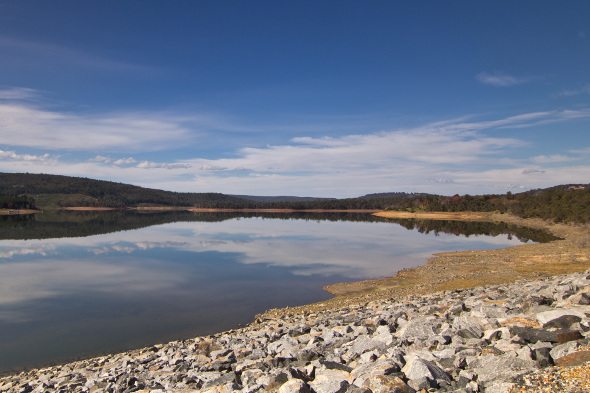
[(486, 339)]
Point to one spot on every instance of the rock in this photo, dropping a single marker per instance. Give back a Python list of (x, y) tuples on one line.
[(364, 344), (387, 384), (562, 350), (331, 380), (501, 368), (422, 384), (468, 326), (380, 367), (294, 386), (573, 359), (417, 369), (417, 329), (559, 318)]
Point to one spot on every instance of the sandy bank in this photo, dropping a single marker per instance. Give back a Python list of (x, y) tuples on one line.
[(459, 216), (11, 212), (467, 269)]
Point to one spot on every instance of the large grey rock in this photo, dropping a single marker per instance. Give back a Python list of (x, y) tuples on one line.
[(417, 329), (419, 368), (380, 367), (331, 381), (294, 386), (387, 384), (468, 326), (364, 344), (500, 368), (560, 318)]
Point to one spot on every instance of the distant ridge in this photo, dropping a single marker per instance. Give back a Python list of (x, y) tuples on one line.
[(395, 195), (562, 203), (281, 198), (56, 191)]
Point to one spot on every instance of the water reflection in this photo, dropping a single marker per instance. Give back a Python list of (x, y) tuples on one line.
[(69, 297)]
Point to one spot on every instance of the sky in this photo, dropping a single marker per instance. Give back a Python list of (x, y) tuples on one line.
[(307, 98)]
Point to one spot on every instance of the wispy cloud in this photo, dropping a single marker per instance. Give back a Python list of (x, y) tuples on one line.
[(27, 121), (45, 53), (459, 155), (125, 161), (25, 124), (524, 120), (207, 167), (498, 79), (100, 158), (574, 92), (159, 165), (552, 158), (528, 171), (18, 93), (130, 161)]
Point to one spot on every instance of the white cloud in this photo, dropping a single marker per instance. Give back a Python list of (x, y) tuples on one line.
[(12, 155), (585, 151), (552, 158), (25, 125), (153, 165), (42, 249), (100, 158), (499, 80), (125, 161), (442, 181), (457, 156), (207, 167), (41, 279)]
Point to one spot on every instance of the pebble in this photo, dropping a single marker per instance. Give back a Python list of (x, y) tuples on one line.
[(530, 336)]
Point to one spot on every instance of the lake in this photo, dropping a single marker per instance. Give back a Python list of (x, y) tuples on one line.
[(80, 284)]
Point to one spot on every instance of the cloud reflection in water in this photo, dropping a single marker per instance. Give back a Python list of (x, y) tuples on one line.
[(131, 288)]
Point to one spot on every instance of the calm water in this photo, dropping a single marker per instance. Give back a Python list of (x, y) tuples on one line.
[(92, 291)]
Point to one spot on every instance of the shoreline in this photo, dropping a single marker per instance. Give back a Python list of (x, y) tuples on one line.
[(219, 210), (456, 270), (18, 212)]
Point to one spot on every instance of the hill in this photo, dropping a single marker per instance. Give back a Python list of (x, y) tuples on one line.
[(65, 191), (563, 203), (281, 198), (395, 195)]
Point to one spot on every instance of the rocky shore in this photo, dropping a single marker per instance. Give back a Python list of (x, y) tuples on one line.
[(502, 338)]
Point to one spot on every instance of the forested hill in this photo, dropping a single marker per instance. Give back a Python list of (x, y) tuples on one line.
[(565, 203), (65, 191), (256, 198)]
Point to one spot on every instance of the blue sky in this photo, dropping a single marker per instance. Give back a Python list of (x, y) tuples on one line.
[(308, 98)]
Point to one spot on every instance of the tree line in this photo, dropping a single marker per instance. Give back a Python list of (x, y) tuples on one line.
[(566, 203), (16, 202)]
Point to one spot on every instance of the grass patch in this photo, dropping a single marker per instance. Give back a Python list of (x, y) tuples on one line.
[(553, 269)]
